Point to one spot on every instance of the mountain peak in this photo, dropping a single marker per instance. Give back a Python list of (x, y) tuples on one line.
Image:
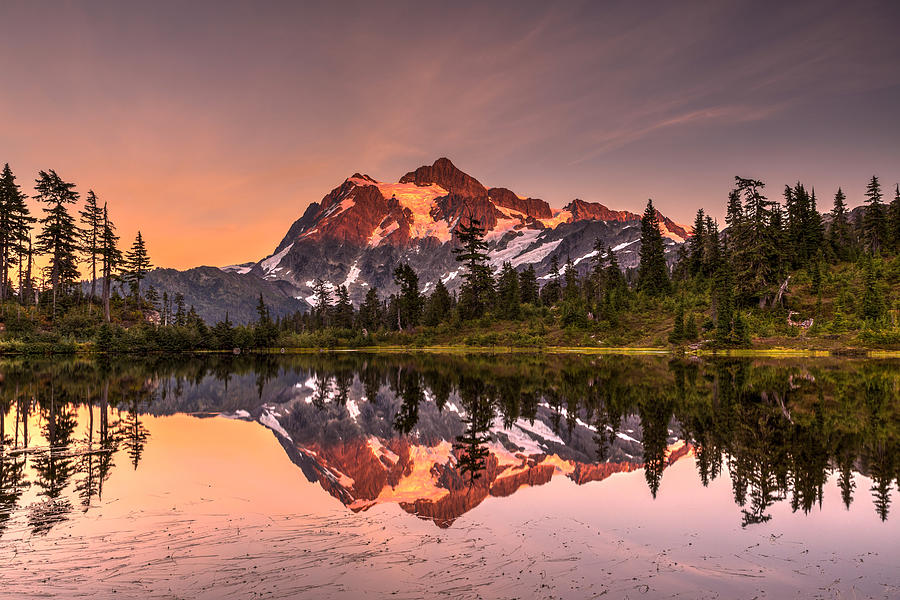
[(445, 174)]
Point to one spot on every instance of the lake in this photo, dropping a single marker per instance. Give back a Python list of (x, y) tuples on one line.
[(339, 475)]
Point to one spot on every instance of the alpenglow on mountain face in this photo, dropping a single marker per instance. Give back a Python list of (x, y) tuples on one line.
[(364, 228)]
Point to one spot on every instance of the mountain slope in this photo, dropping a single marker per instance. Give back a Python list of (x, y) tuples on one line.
[(363, 228)]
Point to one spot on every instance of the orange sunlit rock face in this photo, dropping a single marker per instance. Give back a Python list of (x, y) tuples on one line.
[(426, 481)]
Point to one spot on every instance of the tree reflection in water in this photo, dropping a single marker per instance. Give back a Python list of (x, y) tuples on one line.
[(780, 428)]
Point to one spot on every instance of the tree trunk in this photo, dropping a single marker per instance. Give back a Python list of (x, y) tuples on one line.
[(106, 297)]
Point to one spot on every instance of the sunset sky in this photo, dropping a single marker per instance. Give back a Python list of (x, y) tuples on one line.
[(212, 125)]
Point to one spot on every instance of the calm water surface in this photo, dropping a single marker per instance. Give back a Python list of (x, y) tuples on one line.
[(508, 476)]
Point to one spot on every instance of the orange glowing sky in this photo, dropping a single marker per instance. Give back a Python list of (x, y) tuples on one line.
[(211, 126)]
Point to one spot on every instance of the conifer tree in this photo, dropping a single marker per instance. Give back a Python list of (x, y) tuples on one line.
[(91, 230), (529, 291), (343, 309), (110, 256), (711, 247), (409, 300), (615, 280), (477, 292), (136, 266), (181, 313), (754, 243), (508, 293), (571, 289), (678, 332), (696, 245), (438, 305), (874, 222), (322, 301), (653, 273), (552, 291), (15, 228), (370, 311), (152, 296), (839, 232), (59, 237), (265, 333)]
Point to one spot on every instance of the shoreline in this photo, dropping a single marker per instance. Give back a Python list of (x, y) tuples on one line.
[(774, 352)]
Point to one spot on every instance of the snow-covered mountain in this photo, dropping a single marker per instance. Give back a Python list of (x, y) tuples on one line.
[(363, 228), (346, 442)]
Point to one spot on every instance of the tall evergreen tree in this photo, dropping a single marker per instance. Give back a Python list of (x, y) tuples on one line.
[(438, 305), (111, 258), (91, 229), (711, 247), (754, 244), (529, 291), (477, 292), (15, 228), (136, 266), (59, 237), (552, 291), (322, 302), (370, 311), (508, 293), (409, 300), (696, 245), (874, 222), (653, 273), (343, 309), (839, 237)]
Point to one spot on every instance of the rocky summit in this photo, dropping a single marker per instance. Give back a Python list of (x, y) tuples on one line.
[(357, 234)]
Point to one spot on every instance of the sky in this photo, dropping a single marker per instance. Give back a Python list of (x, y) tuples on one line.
[(211, 126)]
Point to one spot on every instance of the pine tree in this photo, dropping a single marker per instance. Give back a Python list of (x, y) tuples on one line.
[(508, 293), (529, 291), (552, 291), (136, 266), (343, 309), (110, 256), (872, 305), (409, 301), (690, 328), (477, 292), (370, 311), (839, 232), (678, 332), (152, 296), (438, 305), (91, 229), (754, 246), (653, 273), (181, 313), (696, 245), (59, 237), (15, 228), (321, 302), (874, 222), (711, 248), (264, 333)]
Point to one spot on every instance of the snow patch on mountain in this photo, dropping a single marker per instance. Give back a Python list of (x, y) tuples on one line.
[(352, 275), (626, 244), (514, 247), (268, 265), (382, 232)]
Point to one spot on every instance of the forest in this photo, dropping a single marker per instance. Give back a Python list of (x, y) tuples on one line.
[(777, 273)]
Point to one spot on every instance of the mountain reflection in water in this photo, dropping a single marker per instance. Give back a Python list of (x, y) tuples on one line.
[(437, 434)]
